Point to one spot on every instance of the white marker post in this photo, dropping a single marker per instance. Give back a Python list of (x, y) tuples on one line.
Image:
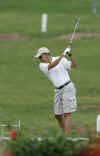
[(94, 6), (98, 124), (44, 20)]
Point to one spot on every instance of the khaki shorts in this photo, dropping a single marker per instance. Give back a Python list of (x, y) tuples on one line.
[(65, 100)]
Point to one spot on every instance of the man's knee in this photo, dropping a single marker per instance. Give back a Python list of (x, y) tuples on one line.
[(59, 117)]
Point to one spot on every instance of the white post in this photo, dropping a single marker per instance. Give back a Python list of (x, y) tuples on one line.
[(44, 20), (94, 6), (98, 124), (19, 124)]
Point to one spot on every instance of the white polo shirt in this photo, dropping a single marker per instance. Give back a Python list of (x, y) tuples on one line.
[(58, 74)]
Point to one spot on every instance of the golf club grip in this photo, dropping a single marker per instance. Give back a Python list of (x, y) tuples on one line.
[(70, 44)]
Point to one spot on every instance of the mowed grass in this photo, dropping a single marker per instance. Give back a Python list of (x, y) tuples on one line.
[(25, 93), (54, 6), (58, 24)]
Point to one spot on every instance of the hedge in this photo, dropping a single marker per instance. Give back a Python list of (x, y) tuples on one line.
[(59, 145)]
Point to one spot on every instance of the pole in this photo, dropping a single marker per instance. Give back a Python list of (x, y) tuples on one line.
[(98, 124), (94, 6), (44, 20)]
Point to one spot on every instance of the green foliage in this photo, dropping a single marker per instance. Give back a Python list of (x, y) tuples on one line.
[(55, 146)]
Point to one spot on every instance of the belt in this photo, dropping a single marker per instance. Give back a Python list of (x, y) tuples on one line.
[(63, 85)]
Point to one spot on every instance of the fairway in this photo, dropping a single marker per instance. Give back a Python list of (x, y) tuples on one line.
[(25, 93)]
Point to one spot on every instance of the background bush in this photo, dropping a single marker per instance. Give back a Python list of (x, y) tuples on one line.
[(46, 146)]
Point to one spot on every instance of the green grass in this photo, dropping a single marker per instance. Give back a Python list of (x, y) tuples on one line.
[(25, 93), (39, 6), (29, 25)]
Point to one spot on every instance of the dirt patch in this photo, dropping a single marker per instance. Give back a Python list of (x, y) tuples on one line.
[(63, 37), (11, 37), (84, 129), (90, 106), (79, 35)]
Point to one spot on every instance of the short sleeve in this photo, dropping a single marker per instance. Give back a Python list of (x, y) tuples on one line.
[(44, 67), (67, 64)]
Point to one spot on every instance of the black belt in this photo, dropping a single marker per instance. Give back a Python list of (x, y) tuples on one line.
[(63, 85)]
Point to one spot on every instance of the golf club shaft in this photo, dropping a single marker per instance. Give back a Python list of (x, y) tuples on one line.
[(74, 32)]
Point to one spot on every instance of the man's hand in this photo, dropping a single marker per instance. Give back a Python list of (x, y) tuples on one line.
[(67, 51)]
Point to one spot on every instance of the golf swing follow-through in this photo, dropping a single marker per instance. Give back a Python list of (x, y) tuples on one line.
[(56, 69)]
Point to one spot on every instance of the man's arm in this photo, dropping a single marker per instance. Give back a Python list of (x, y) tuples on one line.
[(54, 63), (73, 65), (69, 53)]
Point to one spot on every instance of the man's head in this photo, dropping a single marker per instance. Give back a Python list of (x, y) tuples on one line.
[(43, 54)]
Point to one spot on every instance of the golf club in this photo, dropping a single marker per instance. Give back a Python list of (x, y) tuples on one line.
[(77, 20)]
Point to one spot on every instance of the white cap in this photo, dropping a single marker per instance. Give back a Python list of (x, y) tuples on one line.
[(41, 51)]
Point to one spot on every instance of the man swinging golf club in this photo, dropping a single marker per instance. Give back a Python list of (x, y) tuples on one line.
[(56, 69)]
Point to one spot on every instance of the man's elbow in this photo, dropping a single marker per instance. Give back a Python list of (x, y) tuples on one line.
[(74, 65)]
